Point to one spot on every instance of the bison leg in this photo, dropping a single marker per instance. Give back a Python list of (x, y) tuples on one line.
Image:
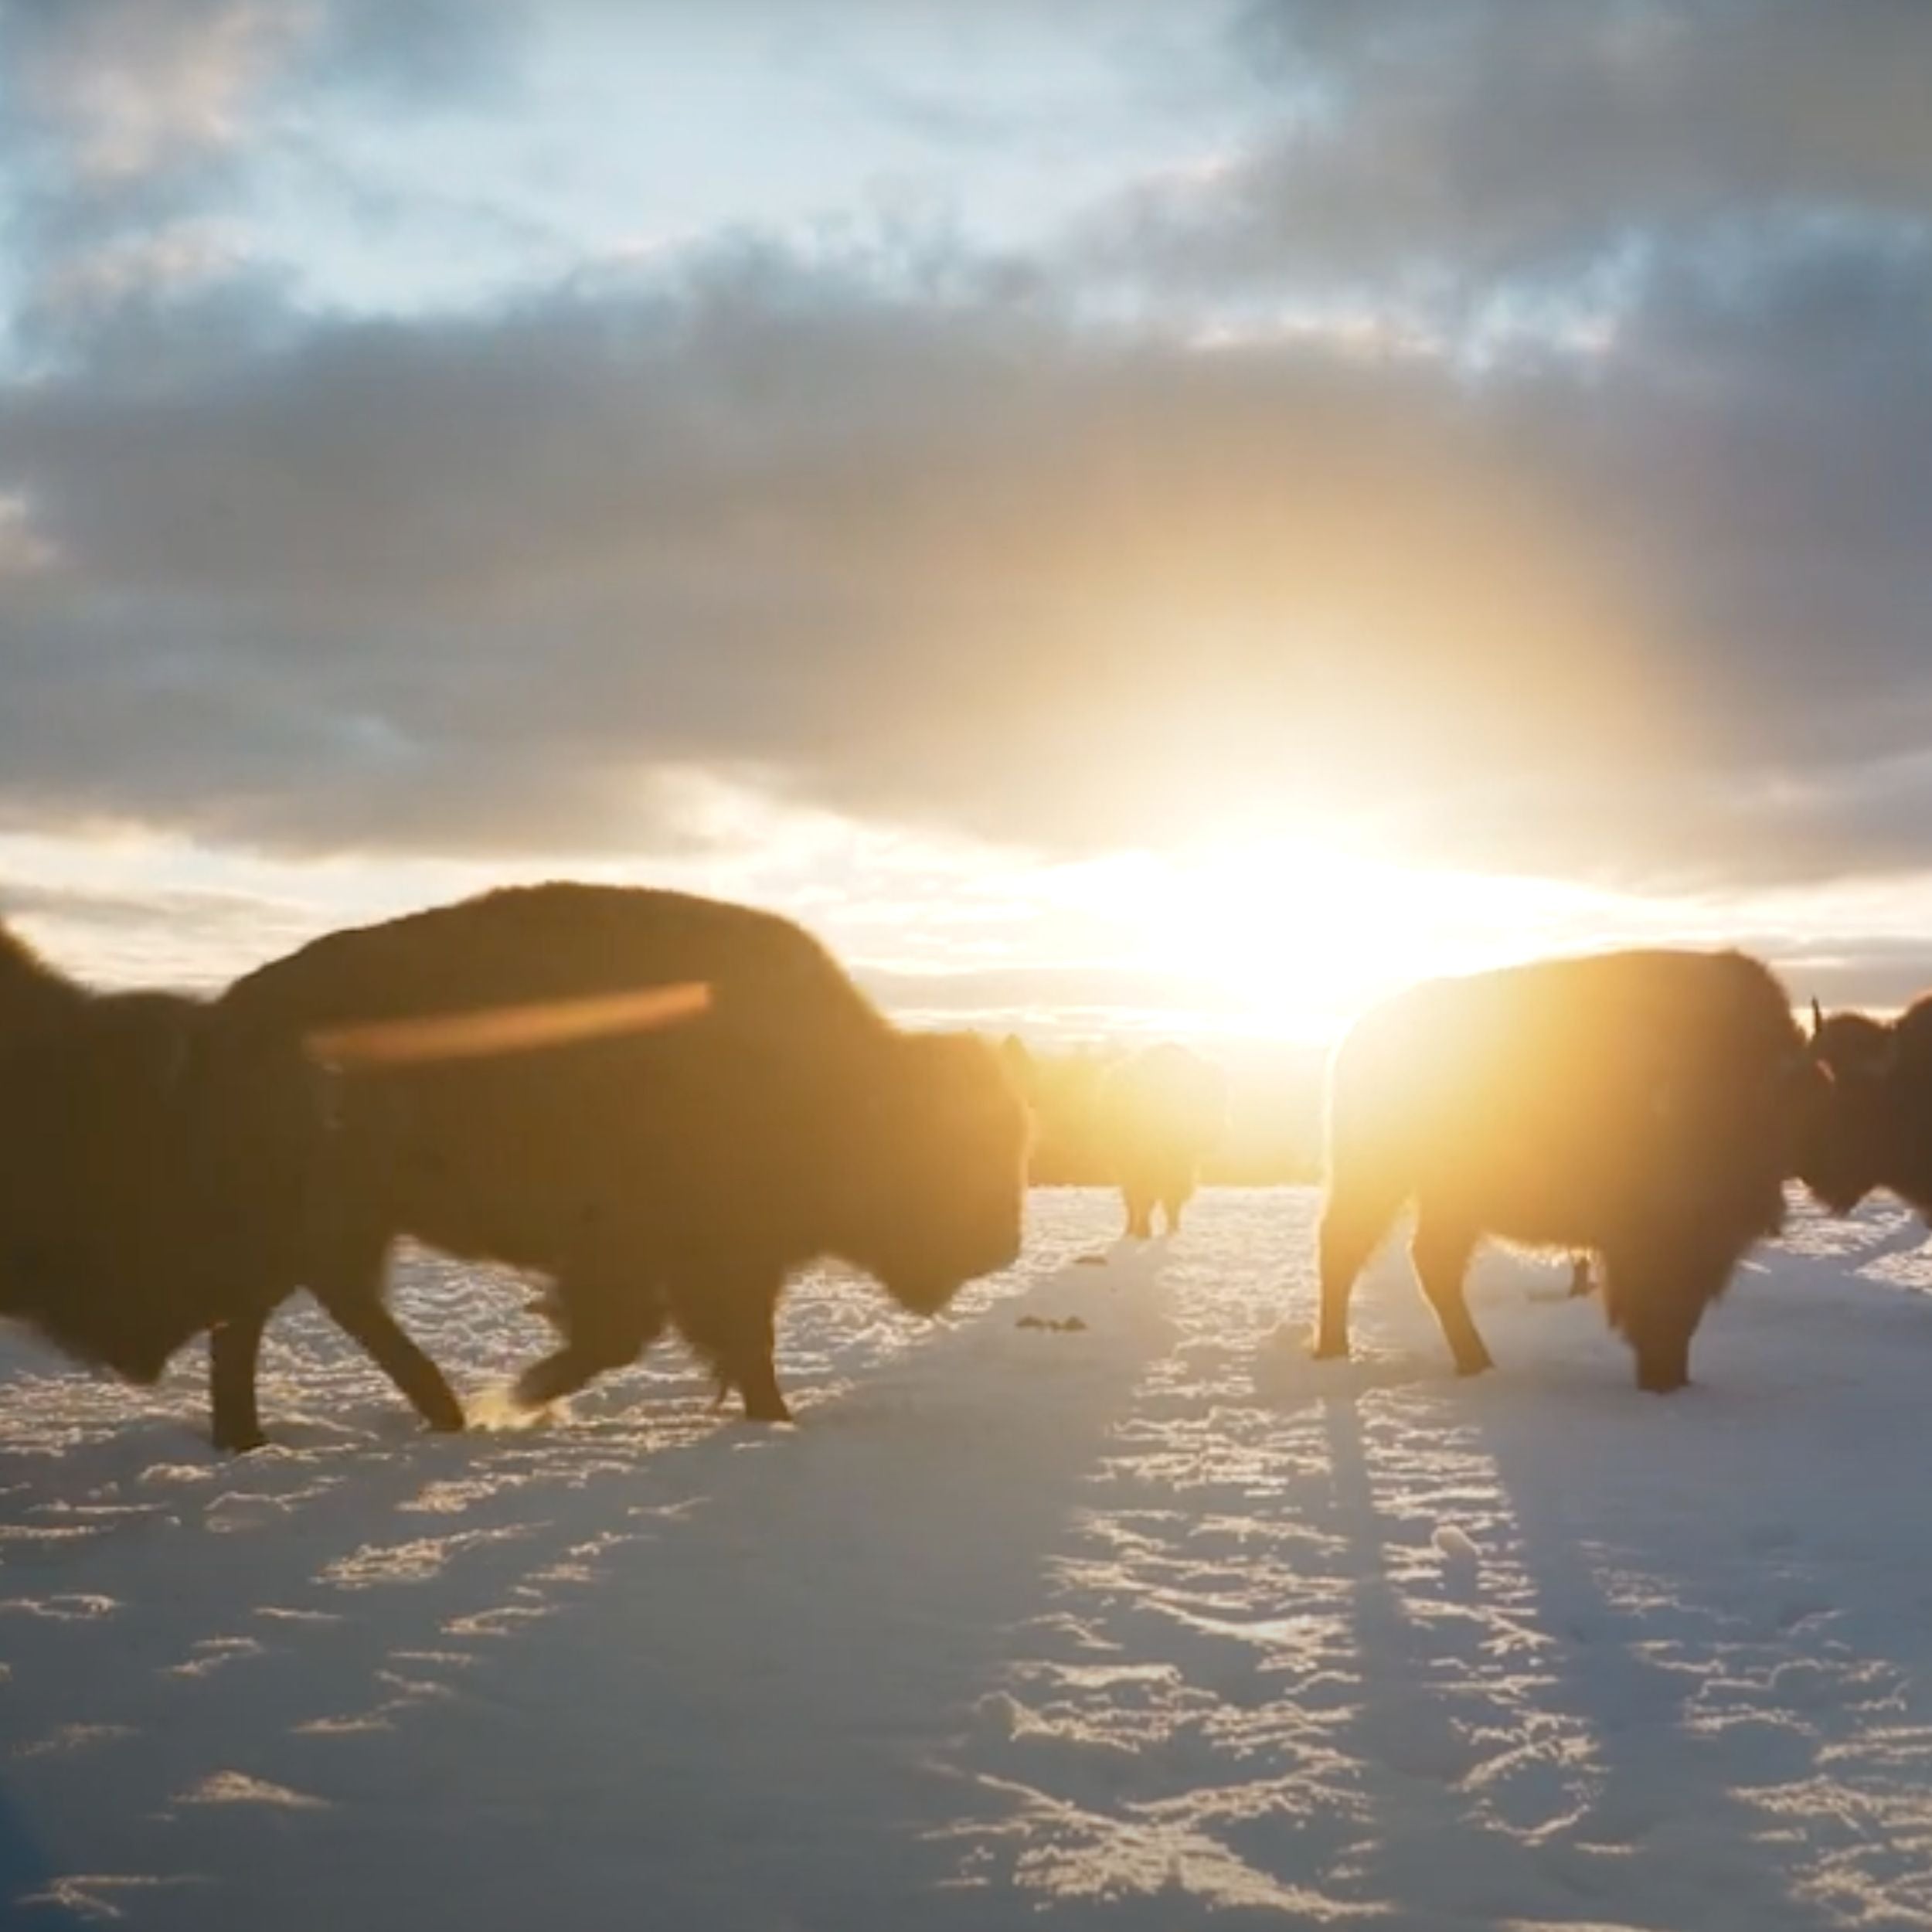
[(603, 1328), (1140, 1213), (1173, 1204), (233, 1347), (733, 1328), (1663, 1353), (347, 1280), (755, 1372), (365, 1320), (1440, 1252), (1656, 1293), (1351, 1226), (1661, 1322)]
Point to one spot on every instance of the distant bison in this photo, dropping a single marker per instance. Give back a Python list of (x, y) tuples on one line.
[(676, 1175), (1877, 1130), (1645, 1107), (1160, 1112), (155, 1159)]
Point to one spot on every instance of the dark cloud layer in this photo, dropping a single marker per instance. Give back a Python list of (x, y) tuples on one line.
[(1464, 142), (472, 585), (912, 536)]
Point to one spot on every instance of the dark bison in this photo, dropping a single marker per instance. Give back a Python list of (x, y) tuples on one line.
[(1645, 1107), (675, 1175), (1160, 1112), (154, 1165), (1876, 1131)]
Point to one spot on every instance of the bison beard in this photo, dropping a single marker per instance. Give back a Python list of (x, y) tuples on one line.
[(1875, 1128), (1644, 1106), (155, 1166), (675, 1177)]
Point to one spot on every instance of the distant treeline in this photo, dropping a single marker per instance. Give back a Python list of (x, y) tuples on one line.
[(1274, 1114)]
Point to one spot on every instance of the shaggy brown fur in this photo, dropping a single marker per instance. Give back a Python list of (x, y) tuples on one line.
[(1877, 1131), (677, 1175), (154, 1165), (1644, 1107)]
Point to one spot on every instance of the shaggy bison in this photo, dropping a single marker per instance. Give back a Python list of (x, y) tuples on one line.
[(1877, 1130), (155, 1164), (1160, 1112), (675, 1175), (1645, 1107)]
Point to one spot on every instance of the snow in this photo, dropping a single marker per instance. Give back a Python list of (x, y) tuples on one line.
[(1141, 1623)]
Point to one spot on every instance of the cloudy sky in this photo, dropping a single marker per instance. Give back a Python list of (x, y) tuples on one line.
[(1113, 512)]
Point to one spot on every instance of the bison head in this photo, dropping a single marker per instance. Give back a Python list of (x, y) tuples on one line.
[(150, 1159), (1845, 1146), (939, 1196)]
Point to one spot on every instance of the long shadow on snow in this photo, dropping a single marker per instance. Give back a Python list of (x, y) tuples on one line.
[(1658, 1591), (1665, 1835), (726, 1666), (1678, 1682)]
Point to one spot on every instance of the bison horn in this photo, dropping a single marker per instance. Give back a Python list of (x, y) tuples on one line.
[(1818, 1020)]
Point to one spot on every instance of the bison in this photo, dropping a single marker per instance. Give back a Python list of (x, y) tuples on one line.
[(156, 1163), (1645, 1107), (1876, 1131), (1160, 1112), (675, 1176)]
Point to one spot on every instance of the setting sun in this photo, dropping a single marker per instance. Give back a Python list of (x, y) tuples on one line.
[(1292, 936)]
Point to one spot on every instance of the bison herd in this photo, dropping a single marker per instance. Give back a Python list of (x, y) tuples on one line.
[(667, 1105)]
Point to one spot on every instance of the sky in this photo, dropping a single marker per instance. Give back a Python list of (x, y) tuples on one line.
[(1120, 517)]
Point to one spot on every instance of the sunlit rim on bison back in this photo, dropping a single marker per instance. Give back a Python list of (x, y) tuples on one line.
[(508, 1030)]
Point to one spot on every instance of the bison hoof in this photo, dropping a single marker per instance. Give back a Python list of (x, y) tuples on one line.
[(1480, 1366), (440, 1411), (1322, 1349), (237, 1442), (1663, 1371)]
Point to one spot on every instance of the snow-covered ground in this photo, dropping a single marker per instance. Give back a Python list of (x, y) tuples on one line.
[(1131, 1625)]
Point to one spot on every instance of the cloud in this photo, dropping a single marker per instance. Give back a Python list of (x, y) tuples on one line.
[(117, 89), (774, 520), (417, 53), (902, 530), (1876, 973), (185, 938), (127, 88), (484, 584), (1458, 145), (1078, 998), (129, 129)]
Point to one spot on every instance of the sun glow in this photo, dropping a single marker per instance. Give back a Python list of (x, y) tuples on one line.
[(1293, 937)]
